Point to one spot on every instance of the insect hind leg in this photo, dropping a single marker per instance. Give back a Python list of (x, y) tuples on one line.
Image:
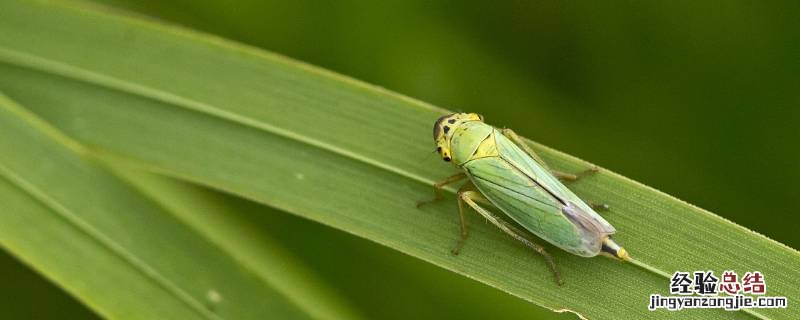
[(597, 206), (469, 197), (571, 177)]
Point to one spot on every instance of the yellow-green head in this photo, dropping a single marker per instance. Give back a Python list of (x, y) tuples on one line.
[(445, 126)]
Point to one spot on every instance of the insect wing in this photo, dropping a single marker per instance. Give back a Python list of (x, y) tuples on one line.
[(520, 198), (512, 153), (575, 208), (591, 228)]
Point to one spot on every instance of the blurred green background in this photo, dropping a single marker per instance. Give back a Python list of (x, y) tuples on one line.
[(698, 99)]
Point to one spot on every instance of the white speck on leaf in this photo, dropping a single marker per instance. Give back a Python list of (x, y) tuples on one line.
[(213, 296)]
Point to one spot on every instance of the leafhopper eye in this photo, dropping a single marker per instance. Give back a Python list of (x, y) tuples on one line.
[(436, 131), (437, 127)]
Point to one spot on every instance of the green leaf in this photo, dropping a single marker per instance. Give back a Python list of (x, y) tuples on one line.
[(345, 154), (104, 243), (355, 267), (25, 292), (233, 230)]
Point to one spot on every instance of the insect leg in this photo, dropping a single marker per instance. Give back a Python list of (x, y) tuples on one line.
[(510, 134), (469, 197), (572, 177), (437, 188), (597, 206), (464, 230), (462, 219), (563, 176)]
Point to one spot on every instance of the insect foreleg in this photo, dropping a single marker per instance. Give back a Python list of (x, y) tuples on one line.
[(469, 197), (437, 188)]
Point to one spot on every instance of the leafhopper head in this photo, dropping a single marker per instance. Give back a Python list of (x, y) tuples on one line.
[(443, 130)]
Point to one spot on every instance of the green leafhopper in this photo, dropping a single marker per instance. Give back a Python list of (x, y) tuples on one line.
[(505, 173)]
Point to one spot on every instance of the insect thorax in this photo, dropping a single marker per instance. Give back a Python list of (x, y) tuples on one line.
[(472, 139)]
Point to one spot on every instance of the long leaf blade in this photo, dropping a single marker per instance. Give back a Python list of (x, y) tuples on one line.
[(341, 153), (235, 233), (119, 253)]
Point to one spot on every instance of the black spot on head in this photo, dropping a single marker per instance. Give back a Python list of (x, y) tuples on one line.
[(439, 149), (446, 129), (451, 121)]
